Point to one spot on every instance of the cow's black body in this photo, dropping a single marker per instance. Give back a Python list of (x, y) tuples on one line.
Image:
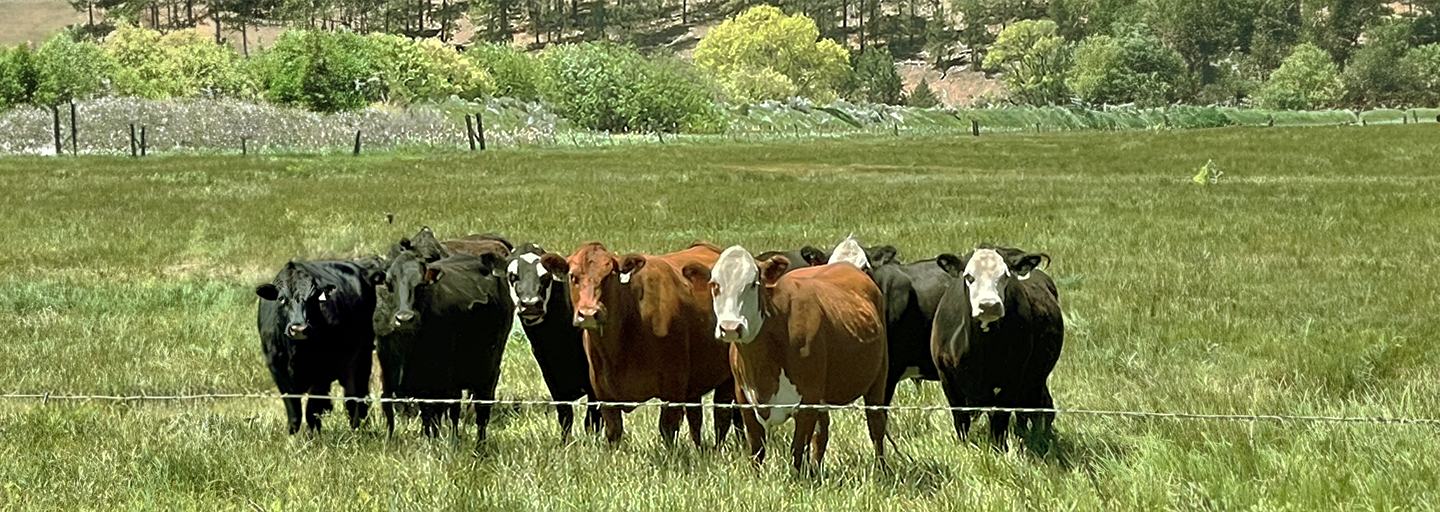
[(546, 316), (912, 293), (310, 343)]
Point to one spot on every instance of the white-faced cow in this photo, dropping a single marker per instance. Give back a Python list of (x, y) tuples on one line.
[(314, 323), (812, 336), (998, 333), (543, 302), (441, 329)]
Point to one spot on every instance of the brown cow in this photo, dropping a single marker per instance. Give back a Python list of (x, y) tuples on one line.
[(648, 334), (812, 336)]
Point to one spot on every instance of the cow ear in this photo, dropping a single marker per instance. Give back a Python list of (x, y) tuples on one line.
[(267, 291), (951, 264), (629, 265), (375, 277), (491, 263), (696, 273), (554, 263), (1027, 262), (405, 244), (771, 269), (433, 274), (881, 255), (814, 257)]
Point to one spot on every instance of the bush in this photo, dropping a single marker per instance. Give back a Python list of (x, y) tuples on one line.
[(1133, 67), (1032, 58), (68, 69), (183, 63), (19, 76), (873, 78), (602, 86), (411, 70), (514, 73), (922, 96), (1307, 79), (1371, 77), (318, 70), (1422, 69), (764, 38)]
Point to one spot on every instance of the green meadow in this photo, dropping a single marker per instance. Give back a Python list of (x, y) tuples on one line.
[(1301, 282)]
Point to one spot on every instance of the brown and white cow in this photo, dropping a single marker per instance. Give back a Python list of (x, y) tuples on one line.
[(648, 334), (812, 336)]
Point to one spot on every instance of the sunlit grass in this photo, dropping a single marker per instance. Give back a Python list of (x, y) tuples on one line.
[(1300, 283)]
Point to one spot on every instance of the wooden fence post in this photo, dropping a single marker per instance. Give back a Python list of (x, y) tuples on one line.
[(975, 127), (357, 142), (243, 149), (74, 146), (469, 132), (59, 150), (132, 140), (142, 140), (480, 130)]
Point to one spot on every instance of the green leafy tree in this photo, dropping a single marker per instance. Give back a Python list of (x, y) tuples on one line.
[(874, 78), (922, 96), (183, 63), (514, 73), (69, 70), (1372, 78), (19, 76), (764, 38), (1203, 31), (319, 70), (1032, 58), (1307, 79), (604, 86), (1422, 68), (1336, 25), (411, 70), (1133, 67)]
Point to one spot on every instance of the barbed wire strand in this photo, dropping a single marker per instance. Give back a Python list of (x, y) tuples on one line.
[(45, 398)]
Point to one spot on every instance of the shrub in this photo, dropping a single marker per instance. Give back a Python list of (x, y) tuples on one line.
[(209, 69), (1133, 67), (68, 69), (410, 71), (922, 96), (1032, 58), (764, 38), (602, 86), (318, 70), (514, 73), (1422, 69), (183, 63), (873, 78), (19, 76), (1307, 79), (1371, 77)]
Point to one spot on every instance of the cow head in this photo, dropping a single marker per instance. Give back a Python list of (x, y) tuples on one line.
[(988, 276), (530, 283), (304, 303), (408, 275), (849, 251), (740, 288), (591, 269)]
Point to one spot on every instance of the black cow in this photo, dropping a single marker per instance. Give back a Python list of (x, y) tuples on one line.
[(314, 323), (997, 335), (912, 294), (441, 329), (543, 300), (432, 249)]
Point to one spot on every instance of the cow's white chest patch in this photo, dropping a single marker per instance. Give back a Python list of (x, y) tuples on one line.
[(785, 394)]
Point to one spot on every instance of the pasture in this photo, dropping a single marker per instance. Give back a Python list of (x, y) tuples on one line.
[(1302, 282)]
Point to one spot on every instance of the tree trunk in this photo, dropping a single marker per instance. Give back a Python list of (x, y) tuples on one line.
[(244, 40), (90, 8), (215, 14)]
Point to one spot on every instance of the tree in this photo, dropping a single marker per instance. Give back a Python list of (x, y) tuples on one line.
[(1133, 67), (1307, 79), (1336, 25), (1372, 78), (319, 70), (19, 76), (1422, 69), (922, 96), (1202, 31), (763, 41), (70, 70), (874, 79), (1031, 57)]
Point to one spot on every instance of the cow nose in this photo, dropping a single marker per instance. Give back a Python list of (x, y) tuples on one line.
[(588, 317), (530, 302), (731, 329), (299, 331), (404, 317), (991, 310)]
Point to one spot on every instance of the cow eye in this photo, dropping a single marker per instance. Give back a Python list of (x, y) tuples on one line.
[(969, 279)]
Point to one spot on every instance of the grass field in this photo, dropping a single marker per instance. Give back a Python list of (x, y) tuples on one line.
[(1302, 282)]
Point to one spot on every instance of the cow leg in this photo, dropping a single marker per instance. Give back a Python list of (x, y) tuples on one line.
[(892, 380), (821, 439), (317, 405), (592, 418), (357, 385), (614, 425), (805, 420), (999, 427), (292, 413), (754, 431), (725, 416), (670, 417), (430, 419), (876, 421), (389, 409), (565, 415), (962, 418), (694, 418)]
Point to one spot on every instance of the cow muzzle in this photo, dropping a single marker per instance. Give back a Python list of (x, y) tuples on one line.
[(404, 317), (730, 331), (298, 331), (531, 311), (589, 318), (988, 310)]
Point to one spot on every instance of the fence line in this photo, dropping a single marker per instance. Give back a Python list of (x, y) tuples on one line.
[(46, 397)]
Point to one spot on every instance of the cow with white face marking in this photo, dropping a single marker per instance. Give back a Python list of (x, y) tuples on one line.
[(812, 336), (543, 303), (849, 251), (997, 335)]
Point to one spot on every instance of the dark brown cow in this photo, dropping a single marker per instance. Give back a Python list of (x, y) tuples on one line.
[(812, 336), (647, 334)]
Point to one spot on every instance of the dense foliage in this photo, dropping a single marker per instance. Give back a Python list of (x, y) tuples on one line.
[(763, 52), (1033, 58), (1306, 79), (604, 86), (874, 78)]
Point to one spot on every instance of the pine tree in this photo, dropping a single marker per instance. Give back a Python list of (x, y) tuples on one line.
[(922, 96)]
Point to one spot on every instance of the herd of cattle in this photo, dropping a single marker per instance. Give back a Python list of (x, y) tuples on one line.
[(772, 330)]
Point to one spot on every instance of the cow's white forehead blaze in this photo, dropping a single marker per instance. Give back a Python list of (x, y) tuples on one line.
[(983, 274), (737, 297), (514, 267), (986, 262), (735, 265), (849, 251)]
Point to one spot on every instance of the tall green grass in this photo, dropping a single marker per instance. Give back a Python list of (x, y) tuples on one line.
[(1299, 283)]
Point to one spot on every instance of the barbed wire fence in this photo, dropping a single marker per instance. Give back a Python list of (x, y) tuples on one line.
[(1280, 418)]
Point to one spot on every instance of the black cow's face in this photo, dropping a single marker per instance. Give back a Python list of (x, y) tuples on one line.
[(530, 283), (303, 303), (988, 277), (408, 275)]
